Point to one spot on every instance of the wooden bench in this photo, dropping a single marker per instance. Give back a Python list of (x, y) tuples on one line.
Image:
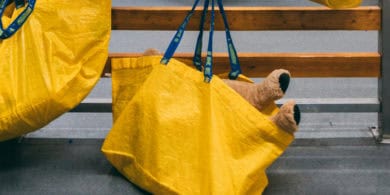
[(344, 64)]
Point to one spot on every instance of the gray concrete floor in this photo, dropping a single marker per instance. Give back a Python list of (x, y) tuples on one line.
[(47, 166)]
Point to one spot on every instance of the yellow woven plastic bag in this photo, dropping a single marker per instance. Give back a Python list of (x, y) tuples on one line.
[(51, 63), (337, 4), (174, 133)]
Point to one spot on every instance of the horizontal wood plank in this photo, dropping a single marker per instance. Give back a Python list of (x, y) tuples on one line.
[(251, 18), (307, 105), (299, 64)]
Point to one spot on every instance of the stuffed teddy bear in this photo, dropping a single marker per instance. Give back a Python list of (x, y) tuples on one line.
[(263, 94)]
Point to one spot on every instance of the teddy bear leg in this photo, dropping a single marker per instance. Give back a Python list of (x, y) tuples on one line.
[(263, 94), (288, 117), (273, 87), (247, 90)]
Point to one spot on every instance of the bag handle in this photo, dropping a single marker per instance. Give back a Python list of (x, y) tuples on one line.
[(19, 21), (178, 36), (235, 68), (198, 48), (233, 57), (19, 3), (208, 67), (234, 63)]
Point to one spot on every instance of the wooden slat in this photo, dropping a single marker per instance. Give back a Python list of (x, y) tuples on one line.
[(313, 105), (299, 64), (251, 18)]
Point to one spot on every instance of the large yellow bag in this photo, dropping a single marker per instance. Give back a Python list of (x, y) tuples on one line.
[(52, 62), (337, 4), (173, 133)]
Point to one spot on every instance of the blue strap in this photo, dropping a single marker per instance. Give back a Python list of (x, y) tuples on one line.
[(198, 48), (19, 3), (18, 22), (233, 57), (178, 36), (208, 69), (208, 73)]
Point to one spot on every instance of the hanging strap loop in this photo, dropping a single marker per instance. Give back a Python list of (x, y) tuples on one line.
[(208, 73), (19, 3), (19, 21), (208, 67), (198, 48), (233, 57), (178, 36)]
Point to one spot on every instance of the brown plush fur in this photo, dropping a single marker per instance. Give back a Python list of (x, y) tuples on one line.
[(285, 117), (260, 95)]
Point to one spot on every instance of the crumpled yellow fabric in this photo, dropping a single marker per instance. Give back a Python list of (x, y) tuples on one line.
[(175, 134), (51, 63), (337, 4)]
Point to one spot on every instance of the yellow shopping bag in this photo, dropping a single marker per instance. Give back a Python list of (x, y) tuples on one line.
[(52, 62), (339, 3), (174, 133), (180, 135)]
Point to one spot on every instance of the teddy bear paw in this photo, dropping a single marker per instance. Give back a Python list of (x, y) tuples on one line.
[(272, 88), (288, 117)]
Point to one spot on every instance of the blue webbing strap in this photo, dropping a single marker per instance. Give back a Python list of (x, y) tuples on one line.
[(208, 73), (19, 3), (178, 36), (208, 69), (233, 57), (198, 48), (18, 22)]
